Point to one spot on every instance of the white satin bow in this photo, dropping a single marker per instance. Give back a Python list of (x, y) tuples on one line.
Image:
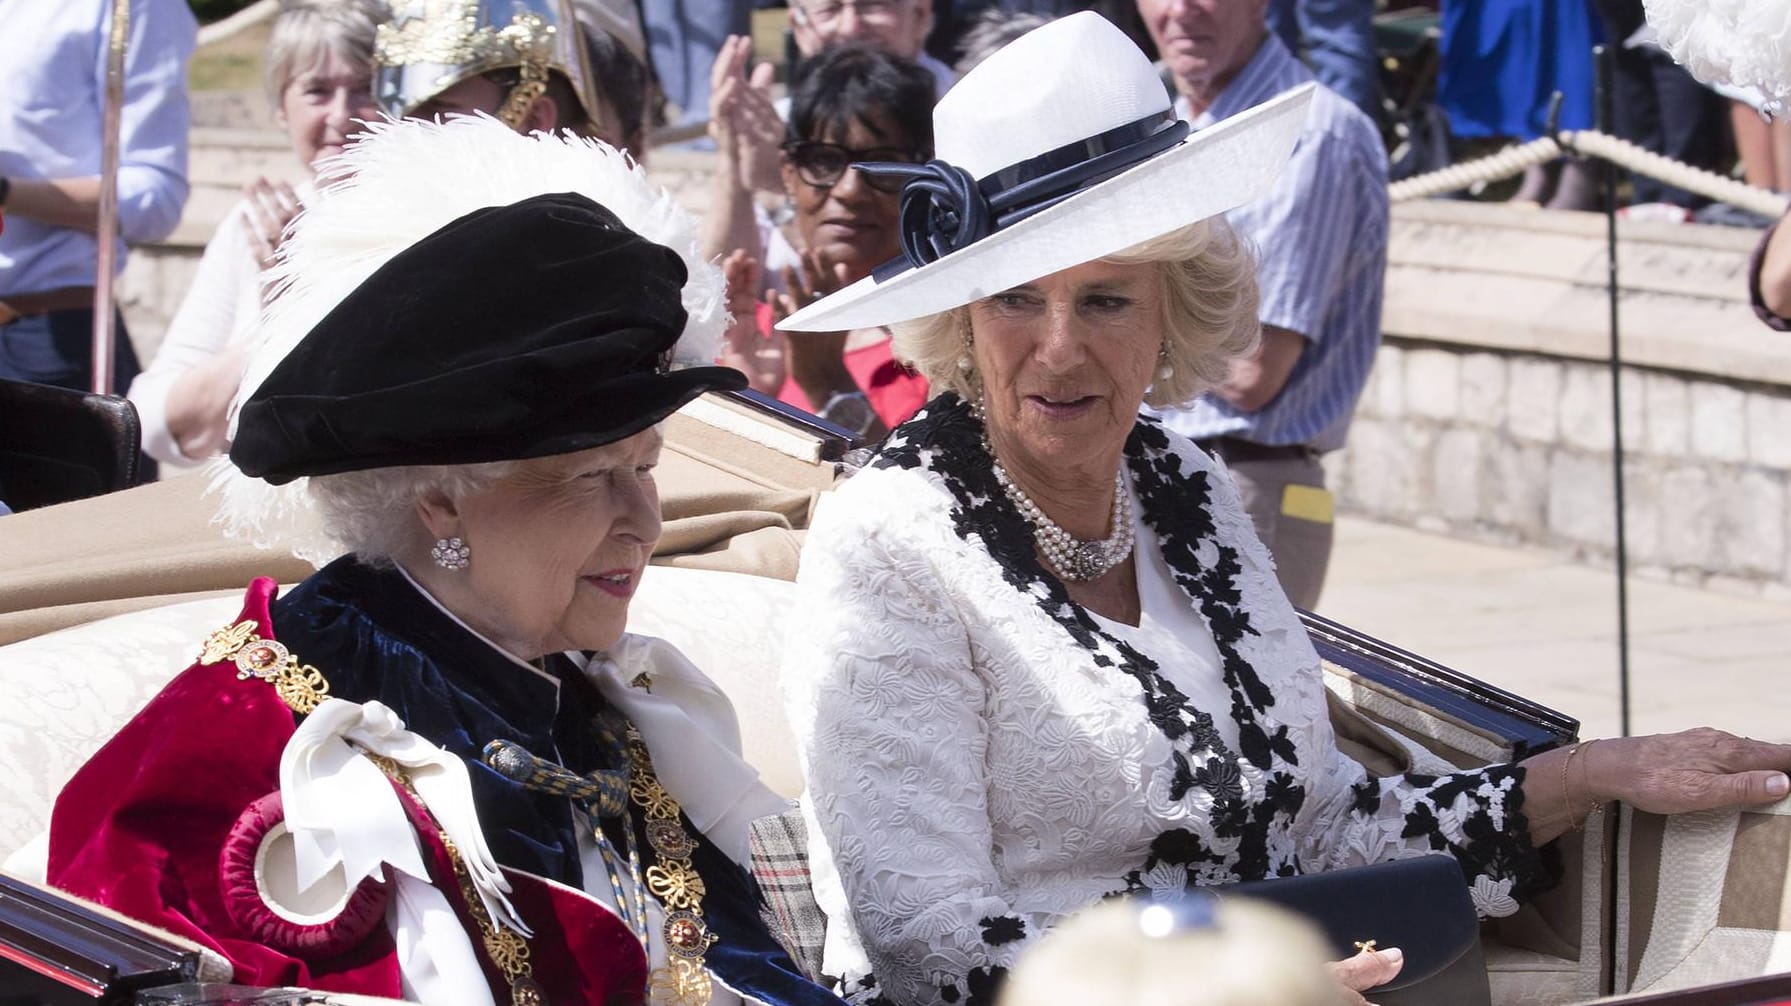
[(340, 808)]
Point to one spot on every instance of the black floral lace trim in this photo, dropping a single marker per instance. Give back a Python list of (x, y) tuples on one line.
[(981, 987), (1488, 850), (999, 929), (946, 438)]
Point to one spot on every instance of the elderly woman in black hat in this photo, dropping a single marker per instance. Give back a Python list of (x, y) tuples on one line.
[(1044, 658), (440, 768)]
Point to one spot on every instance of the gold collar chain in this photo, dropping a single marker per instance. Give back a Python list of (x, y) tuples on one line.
[(684, 980), (301, 686)]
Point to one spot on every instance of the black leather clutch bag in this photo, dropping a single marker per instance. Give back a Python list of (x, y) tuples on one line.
[(1419, 905)]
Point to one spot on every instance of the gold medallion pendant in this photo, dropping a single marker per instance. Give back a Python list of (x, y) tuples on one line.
[(301, 686)]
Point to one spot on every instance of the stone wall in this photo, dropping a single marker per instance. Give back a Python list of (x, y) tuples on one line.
[(1493, 420), (1515, 447)]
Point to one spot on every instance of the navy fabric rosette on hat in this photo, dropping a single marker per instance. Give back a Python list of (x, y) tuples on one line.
[(563, 347)]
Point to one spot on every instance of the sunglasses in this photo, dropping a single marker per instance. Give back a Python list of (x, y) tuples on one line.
[(824, 164)]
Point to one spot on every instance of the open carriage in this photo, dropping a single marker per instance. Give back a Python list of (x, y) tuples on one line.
[(103, 600)]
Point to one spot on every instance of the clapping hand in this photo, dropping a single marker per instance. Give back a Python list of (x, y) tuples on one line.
[(267, 208), (743, 120), (817, 278), (815, 358), (759, 355)]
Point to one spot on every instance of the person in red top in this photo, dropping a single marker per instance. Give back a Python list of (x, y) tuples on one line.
[(850, 104)]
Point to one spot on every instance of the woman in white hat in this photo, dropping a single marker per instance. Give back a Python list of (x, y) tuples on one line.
[(1044, 657)]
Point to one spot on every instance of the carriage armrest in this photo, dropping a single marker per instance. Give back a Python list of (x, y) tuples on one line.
[(61, 950), (1459, 717)]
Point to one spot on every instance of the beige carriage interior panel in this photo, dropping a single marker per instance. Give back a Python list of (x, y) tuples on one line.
[(1702, 898)]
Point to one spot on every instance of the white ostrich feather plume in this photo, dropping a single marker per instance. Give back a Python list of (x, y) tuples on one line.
[(399, 183), (1742, 42)]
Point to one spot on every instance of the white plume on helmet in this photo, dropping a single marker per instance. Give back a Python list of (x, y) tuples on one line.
[(397, 184), (1746, 43)]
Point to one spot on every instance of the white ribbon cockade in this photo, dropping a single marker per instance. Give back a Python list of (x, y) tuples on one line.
[(341, 809)]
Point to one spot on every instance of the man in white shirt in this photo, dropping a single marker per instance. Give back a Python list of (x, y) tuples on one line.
[(1321, 238), (52, 107)]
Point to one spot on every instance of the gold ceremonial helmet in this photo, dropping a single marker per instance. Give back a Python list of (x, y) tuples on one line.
[(431, 45)]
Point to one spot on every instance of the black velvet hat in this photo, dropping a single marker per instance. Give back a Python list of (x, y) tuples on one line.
[(519, 331)]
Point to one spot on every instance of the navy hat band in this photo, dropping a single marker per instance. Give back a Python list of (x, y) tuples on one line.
[(944, 209)]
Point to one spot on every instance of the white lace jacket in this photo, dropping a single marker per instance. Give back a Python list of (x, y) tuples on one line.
[(983, 759)]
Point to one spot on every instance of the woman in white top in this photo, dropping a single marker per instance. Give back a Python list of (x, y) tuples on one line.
[(319, 76), (1044, 658)]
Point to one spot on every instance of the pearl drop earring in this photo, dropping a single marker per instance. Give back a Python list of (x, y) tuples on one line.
[(1165, 370)]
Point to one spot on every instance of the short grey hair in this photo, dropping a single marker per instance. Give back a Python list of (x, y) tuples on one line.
[(305, 29), (1209, 316), (991, 30), (373, 513)]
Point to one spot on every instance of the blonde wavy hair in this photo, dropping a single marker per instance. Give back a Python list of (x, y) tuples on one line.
[(1209, 316), (1252, 955)]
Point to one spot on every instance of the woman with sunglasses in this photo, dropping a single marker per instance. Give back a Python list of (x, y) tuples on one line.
[(850, 104)]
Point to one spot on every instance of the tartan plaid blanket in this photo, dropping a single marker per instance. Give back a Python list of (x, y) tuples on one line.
[(780, 865)]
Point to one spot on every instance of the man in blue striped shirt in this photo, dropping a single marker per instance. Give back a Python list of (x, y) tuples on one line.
[(1321, 239)]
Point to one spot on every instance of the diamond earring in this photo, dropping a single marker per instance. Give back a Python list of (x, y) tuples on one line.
[(451, 553)]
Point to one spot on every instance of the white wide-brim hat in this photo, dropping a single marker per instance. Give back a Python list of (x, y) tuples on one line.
[(1072, 103)]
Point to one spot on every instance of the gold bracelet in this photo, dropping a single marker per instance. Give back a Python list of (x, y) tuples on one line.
[(1573, 819)]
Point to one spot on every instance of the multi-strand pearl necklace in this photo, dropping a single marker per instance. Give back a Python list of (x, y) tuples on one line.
[(1076, 559)]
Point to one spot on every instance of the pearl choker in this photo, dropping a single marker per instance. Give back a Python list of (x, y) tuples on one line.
[(1075, 559)]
